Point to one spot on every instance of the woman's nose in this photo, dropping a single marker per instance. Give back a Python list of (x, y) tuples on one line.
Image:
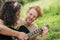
[(31, 17)]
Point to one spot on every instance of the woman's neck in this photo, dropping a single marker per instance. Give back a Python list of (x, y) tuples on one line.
[(26, 23)]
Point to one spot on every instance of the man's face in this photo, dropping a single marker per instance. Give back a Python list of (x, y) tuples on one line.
[(18, 14)]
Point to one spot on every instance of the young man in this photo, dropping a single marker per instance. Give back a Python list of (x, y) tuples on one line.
[(9, 16)]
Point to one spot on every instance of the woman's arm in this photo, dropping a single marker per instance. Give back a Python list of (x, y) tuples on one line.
[(45, 30)]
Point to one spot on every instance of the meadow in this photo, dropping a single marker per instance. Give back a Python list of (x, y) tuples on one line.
[(51, 16)]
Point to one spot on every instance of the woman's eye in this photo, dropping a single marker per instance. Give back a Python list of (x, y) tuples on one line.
[(30, 13)]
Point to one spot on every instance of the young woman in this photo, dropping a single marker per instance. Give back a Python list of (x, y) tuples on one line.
[(27, 26), (9, 17)]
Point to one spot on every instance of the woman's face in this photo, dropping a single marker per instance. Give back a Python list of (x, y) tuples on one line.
[(31, 15)]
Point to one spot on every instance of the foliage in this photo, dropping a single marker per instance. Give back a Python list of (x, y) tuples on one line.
[(25, 1)]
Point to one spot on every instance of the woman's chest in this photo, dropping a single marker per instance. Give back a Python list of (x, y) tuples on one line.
[(31, 28)]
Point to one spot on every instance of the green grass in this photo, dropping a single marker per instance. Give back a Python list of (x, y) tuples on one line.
[(51, 11)]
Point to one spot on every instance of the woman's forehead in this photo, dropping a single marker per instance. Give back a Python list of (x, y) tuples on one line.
[(32, 11)]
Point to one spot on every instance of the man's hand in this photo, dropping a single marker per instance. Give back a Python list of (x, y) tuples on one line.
[(22, 36)]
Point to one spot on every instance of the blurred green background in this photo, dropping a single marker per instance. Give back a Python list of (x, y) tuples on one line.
[(51, 11)]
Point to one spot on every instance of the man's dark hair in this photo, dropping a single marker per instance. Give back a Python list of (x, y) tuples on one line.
[(8, 12)]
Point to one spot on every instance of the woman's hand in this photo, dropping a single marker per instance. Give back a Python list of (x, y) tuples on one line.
[(45, 30), (22, 36)]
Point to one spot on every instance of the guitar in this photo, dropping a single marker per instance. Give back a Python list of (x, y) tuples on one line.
[(30, 34)]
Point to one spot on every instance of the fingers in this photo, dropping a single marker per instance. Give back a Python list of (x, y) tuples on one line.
[(26, 37), (45, 30), (23, 39)]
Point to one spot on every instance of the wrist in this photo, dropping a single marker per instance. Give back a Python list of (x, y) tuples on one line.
[(17, 34)]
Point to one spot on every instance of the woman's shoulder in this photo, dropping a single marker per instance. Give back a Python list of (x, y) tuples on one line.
[(19, 21)]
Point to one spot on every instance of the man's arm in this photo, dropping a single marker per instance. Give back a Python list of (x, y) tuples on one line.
[(9, 32)]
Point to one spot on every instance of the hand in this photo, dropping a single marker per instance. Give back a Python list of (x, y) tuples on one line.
[(22, 36), (45, 30)]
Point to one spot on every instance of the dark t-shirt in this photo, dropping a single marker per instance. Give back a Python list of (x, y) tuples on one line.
[(5, 37)]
